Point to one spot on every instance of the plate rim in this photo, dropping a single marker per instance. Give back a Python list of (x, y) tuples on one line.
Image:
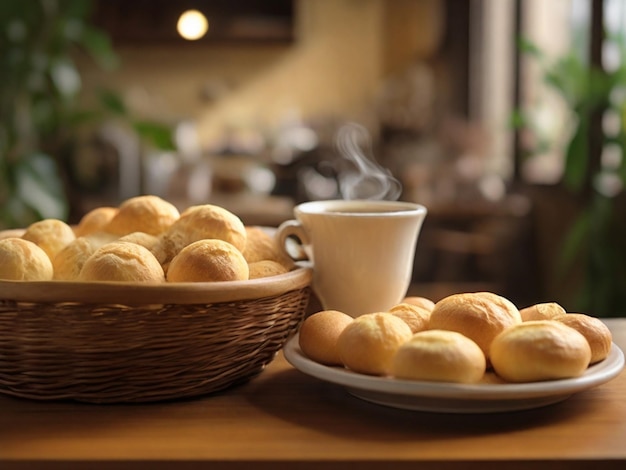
[(595, 375)]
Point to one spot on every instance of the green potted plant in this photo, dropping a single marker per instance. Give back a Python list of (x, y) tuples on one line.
[(40, 110), (595, 241)]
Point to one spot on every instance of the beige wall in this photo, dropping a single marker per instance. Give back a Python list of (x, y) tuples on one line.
[(333, 69)]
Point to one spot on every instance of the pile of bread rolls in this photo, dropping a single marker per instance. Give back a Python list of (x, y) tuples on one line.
[(476, 337), (144, 239)]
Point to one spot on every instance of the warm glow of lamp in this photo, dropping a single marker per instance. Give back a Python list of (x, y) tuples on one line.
[(192, 25)]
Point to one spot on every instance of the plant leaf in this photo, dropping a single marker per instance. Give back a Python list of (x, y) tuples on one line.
[(518, 119), (40, 187), (570, 78), (158, 135), (526, 46), (576, 156), (574, 242), (98, 44), (112, 102)]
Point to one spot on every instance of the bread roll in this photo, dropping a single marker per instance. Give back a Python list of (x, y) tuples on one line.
[(210, 221), (210, 260), (23, 260), (168, 245), (261, 246), (122, 261), (148, 214), (420, 302), (141, 238), (594, 330), (12, 233), (480, 316), (367, 345), (51, 235), (415, 316), (199, 223), (539, 350), (95, 220), (319, 334), (265, 268), (440, 356), (70, 260), (100, 238), (543, 311)]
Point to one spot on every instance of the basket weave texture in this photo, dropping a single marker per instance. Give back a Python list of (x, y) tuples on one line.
[(116, 343)]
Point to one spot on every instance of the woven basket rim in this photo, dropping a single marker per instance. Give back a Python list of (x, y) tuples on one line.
[(131, 293)]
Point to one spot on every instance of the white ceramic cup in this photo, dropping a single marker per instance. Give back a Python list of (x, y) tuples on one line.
[(362, 251)]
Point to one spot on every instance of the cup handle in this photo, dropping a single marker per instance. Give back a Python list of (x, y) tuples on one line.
[(292, 228)]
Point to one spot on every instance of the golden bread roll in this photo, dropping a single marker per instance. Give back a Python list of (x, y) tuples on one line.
[(420, 302), (210, 221), (201, 222), (594, 330), (12, 233), (539, 350), (543, 311), (141, 238), (440, 356), (95, 220), (480, 316), (169, 245), (367, 345), (51, 235), (101, 238), (261, 246), (210, 260), (70, 260), (413, 315), (148, 214), (122, 261), (319, 334), (265, 268), (23, 260)]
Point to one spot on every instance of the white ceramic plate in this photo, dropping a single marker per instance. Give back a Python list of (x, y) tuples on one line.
[(456, 398)]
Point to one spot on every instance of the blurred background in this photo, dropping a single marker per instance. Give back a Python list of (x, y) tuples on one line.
[(504, 117)]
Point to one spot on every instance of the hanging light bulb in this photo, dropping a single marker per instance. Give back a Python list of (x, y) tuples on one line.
[(192, 25)]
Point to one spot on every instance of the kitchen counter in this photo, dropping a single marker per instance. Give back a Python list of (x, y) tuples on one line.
[(286, 419)]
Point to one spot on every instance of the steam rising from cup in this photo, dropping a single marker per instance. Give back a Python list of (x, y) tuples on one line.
[(368, 180)]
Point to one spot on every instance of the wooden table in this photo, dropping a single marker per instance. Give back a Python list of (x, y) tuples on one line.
[(285, 419)]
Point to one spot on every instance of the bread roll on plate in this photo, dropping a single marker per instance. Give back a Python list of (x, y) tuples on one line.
[(415, 316), (480, 316), (543, 311), (368, 344), (594, 330), (420, 302), (319, 334), (439, 356), (539, 350)]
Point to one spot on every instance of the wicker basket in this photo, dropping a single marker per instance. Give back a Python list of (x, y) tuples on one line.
[(107, 342)]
